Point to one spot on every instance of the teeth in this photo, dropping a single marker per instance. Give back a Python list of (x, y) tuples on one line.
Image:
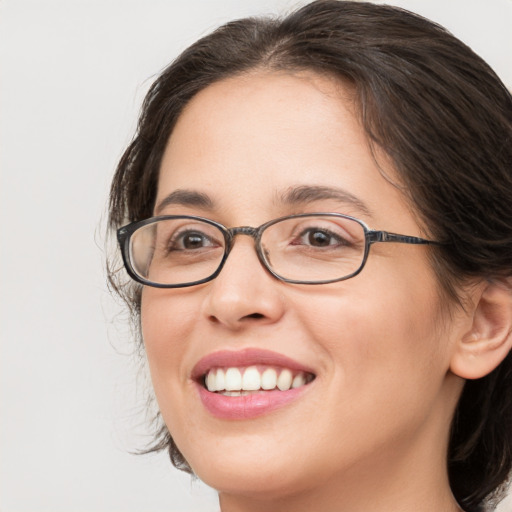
[(269, 379), (233, 379), (232, 382), (211, 381), (251, 380), (220, 380), (284, 381), (298, 380)]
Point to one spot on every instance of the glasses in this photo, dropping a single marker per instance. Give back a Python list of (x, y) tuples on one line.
[(175, 251)]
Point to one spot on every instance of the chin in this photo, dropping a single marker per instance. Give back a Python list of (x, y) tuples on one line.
[(256, 483)]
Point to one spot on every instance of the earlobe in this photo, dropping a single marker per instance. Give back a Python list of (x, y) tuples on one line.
[(488, 341)]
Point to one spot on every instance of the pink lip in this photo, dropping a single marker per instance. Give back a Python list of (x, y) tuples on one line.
[(245, 357), (248, 406)]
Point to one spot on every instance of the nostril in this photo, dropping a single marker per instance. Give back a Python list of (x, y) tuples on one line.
[(256, 316)]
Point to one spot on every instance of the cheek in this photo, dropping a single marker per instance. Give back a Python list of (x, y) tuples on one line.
[(168, 321), (166, 316), (166, 325), (386, 366), (380, 332)]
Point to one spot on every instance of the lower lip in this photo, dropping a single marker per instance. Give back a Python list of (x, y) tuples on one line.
[(248, 406)]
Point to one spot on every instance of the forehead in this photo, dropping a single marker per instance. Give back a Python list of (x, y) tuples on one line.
[(260, 117), (251, 138)]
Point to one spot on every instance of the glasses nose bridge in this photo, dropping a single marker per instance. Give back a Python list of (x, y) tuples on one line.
[(254, 233)]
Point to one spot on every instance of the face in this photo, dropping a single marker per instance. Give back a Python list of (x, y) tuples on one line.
[(374, 350)]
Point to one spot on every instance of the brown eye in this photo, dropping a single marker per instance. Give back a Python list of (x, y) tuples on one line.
[(314, 237), (191, 240), (319, 238)]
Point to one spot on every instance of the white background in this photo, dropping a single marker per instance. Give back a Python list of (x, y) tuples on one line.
[(73, 74)]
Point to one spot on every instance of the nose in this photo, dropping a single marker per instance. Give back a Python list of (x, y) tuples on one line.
[(244, 293)]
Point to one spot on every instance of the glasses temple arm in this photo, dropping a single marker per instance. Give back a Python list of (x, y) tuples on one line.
[(385, 236)]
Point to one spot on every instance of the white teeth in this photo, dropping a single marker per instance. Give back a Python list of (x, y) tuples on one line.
[(251, 380), (284, 382), (231, 381), (220, 381), (298, 380), (211, 381), (269, 379)]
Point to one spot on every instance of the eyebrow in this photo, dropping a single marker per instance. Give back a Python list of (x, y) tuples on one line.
[(294, 196), (306, 194), (185, 197)]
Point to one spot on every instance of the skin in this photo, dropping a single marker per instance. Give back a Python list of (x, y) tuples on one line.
[(370, 433)]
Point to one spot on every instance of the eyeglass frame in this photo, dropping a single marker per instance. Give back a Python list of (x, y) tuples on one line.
[(371, 236)]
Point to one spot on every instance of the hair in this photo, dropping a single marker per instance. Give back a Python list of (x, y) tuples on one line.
[(443, 118)]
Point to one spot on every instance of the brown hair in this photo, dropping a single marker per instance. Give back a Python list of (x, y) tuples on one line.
[(445, 120)]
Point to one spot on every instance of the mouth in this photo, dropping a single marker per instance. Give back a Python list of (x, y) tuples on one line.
[(249, 383)]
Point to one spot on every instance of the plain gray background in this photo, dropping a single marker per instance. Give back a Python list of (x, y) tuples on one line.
[(73, 74)]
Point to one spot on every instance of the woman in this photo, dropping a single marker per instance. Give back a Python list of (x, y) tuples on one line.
[(300, 370)]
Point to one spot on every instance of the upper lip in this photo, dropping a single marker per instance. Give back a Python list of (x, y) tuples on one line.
[(243, 358)]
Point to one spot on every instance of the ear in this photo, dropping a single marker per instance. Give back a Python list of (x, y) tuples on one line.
[(488, 341)]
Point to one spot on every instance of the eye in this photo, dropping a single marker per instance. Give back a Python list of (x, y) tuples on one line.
[(190, 240), (319, 238), (316, 237)]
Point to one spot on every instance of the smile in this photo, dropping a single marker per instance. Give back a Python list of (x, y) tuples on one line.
[(235, 385)]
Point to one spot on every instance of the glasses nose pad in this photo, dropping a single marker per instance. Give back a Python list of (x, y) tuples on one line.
[(263, 255)]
